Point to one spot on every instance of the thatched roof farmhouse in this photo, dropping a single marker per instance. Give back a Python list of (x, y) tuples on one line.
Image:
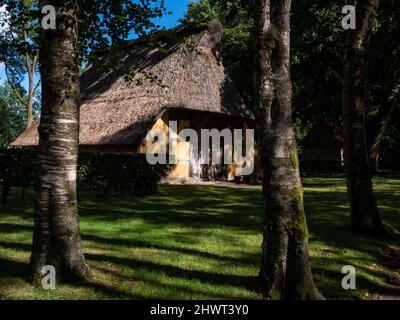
[(183, 81)]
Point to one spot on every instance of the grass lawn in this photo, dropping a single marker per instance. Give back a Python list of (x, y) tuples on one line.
[(196, 242)]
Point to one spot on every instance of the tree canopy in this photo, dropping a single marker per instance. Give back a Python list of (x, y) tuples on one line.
[(317, 57), (12, 116)]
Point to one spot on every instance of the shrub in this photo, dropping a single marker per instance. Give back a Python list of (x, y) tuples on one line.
[(18, 167), (115, 175), (119, 174)]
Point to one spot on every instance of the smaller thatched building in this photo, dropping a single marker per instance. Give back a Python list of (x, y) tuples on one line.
[(323, 147), (182, 81)]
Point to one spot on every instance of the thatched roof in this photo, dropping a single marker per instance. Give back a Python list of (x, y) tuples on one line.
[(186, 73)]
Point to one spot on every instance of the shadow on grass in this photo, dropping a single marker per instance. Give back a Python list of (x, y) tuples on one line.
[(174, 287), (16, 246), (329, 223), (247, 282), (142, 244), (202, 207), (199, 209), (12, 268), (14, 228)]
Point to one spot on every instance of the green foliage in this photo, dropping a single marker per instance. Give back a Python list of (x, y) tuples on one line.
[(18, 166), (317, 51), (20, 33), (102, 23), (301, 130), (12, 116), (119, 174), (318, 46), (383, 72), (106, 25), (199, 11), (237, 43), (19, 42), (115, 175)]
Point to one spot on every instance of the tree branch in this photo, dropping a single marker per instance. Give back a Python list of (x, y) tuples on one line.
[(15, 89)]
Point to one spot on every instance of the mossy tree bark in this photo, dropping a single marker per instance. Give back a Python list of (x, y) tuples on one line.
[(56, 238), (364, 210), (285, 268)]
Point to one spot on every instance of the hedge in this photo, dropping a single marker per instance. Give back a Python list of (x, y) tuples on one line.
[(18, 167), (119, 174), (115, 175)]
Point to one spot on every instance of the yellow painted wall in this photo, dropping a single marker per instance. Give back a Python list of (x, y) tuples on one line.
[(182, 150), (232, 167), (182, 170), (162, 124)]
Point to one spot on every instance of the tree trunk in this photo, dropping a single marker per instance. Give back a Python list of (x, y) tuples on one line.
[(30, 65), (285, 268), (376, 125), (31, 94), (56, 238), (364, 210)]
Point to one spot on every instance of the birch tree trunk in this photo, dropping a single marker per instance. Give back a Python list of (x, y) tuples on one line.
[(30, 65), (285, 268), (31, 94), (364, 210), (56, 238)]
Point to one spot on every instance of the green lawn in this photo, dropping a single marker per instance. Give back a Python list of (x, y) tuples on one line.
[(196, 242)]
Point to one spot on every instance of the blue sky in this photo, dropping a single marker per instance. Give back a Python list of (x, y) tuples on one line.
[(177, 7)]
